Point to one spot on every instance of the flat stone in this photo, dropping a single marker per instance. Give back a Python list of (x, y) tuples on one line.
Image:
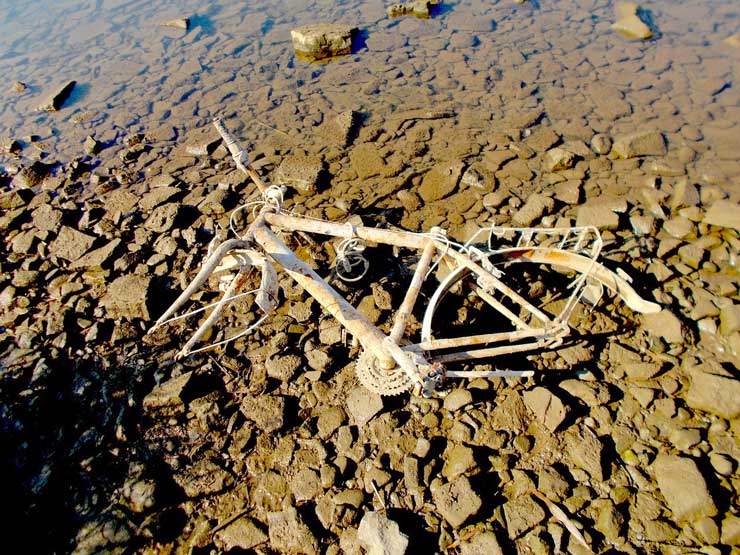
[(516, 168), (457, 399), (119, 202), (601, 144), (723, 213), (243, 533), (458, 460), (729, 319), (47, 218), (558, 159), (440, 181), (97, 258), (322, 40), (91, 145), (290, 534), (547, 407), (283, 367), (330, 420), (159, 195), (179, 23), (536, 206), (543, 139), (305, 484), (363, 404), (602, 217), (456, 501), (417, 8), (522, 514), (204, 477), (303, 173), (367, 161), (379, 535), (664, 324), (715, 394), (267, 411), (163, 218), (484, 543), (683, 487), (632, 27), (625, 9), (70, 244), (166, 397), (58, 95), (127, 297), (642, 143), (586, 451)]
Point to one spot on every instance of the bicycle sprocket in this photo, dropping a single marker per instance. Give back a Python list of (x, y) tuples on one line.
[(383, 382)]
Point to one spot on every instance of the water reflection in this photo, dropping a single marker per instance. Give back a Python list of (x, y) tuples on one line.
[(500, 59)]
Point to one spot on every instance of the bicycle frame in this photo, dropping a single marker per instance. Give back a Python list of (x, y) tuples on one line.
[(387, 365)]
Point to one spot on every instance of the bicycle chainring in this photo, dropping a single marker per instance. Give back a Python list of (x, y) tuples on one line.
[(383, 382)]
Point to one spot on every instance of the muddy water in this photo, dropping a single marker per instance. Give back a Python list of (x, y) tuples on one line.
[(496, 63)]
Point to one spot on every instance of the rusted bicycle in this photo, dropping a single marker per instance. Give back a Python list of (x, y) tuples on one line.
[(393, 363)]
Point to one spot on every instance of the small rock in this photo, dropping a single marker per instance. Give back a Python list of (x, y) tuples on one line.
[(289, 533), (344, 127), (558, 159), (601, 144), (204, 477), (731, 530), (642, 143), (330, 420), (733, 40), (417, 8), (714, 394), (243, 533), (18, 87), (9, 145), (440, 181), (57, 97), (547, 407), (625, 9), (167, 396), (456, 501), (304, 173), (283, 367), (536, 206), (522, 514), (91, 146), (633, 27), (128, 297), (587, 452), (267, 411), (322, 40), (163, 218), (30, 176), (379, 535), (683, 487), (97, 258), (363, 405), (482, 544), (179, 23), (664, 324), (723, 213), (457, 399), (602, 217), (458, 460), (140, 494)]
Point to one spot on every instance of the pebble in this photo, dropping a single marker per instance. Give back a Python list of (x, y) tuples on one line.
[(683, 487), (379, 535)]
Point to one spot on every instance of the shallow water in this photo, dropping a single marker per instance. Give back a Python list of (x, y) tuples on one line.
[(498, 64)]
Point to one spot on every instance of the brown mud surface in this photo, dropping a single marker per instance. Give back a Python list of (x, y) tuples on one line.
[(488, 112)]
